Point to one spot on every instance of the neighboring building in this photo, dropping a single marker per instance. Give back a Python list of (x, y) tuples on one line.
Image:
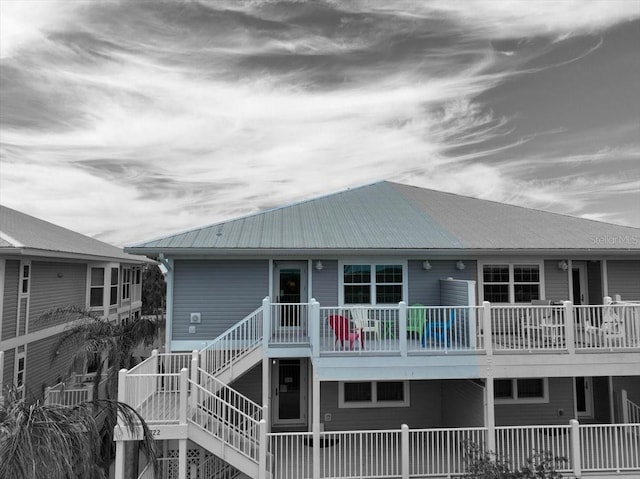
[(44, 267), (351, 315)]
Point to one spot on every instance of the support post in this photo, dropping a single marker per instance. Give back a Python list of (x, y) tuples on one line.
[(316, 425), (314, 327), (402, 328), (266, 389), (486, 328), (266, 323), (576, 460), (184, 394), (624, 407), (262, 453), (182, 459), (195, 364), (570, 326), (490, 415), (404, 451)]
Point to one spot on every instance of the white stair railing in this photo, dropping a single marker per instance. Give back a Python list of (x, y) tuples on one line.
[(230, 395), (630, 410)]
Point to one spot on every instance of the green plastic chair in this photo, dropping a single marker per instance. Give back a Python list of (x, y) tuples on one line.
[(416, 319)]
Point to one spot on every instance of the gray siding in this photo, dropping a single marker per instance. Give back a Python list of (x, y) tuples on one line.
[(9, 359), (454, 293), (630, 383), (10, 304), (425, 410), (224, 292), (22, 323), (521, 414), (624, 279), (556, 282), (250, 384), (464, 404), (594, 280), (49, 290), (41, 369), (325, 283), (424, 285)]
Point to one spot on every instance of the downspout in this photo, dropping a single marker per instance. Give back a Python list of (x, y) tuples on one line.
[(166, 266)]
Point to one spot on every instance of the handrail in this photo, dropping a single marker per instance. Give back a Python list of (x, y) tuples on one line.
[(249, 407), (233, 344)]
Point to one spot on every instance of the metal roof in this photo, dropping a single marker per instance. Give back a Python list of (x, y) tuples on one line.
[(391, 216), (24, 234)]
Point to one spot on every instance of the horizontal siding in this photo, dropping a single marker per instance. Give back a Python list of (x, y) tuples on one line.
[(464, 404), (42, 370), (521, 414), (250, 384), (624, 279), (556, 282), (224, 292), (454, 293), (24, 307), (10, 299), (424, 285), (424, 412), (325, 283), (9, 359), (629, 383), (55, 285)]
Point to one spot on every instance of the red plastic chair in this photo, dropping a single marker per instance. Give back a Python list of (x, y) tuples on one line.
[(341, 329)]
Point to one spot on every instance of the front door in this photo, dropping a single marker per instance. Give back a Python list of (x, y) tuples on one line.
[(579, 283), (289, 392), (290, 284), (584, 397)]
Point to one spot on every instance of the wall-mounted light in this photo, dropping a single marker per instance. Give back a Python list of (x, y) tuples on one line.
[(563, 266), (460, 265), (60, 275), (319, 265), (426, 265)]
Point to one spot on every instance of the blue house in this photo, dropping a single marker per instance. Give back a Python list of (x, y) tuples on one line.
[(375, 331)]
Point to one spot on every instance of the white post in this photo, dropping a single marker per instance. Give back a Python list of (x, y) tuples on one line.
[(119, 469), (262, 453), (624, 406), (184, 394), (402, 328), (486, 328), (266, 323), (195, 356), (266, 388), (490, 415), (316, 425), (182, 459), (570, 326), (1, 374), (314, 327), (404, 451), (576, 460)]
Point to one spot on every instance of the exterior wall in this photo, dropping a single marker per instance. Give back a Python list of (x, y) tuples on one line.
[(594, 280), (42, 369), (556, 282), (454, 293), (250, 384), (49, 290), (325, 283), (10, 302), (223, 292), (464, 402), (9, 360), (630, 383), (624, 279), (521, 414), (424, 285), (425, 410)]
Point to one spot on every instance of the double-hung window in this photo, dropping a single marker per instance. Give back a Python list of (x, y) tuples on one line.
[(113, 296), (511, 282), (372, 283), (126, 283), (363, 394), (524, 390), (25, 278), (96, 295)]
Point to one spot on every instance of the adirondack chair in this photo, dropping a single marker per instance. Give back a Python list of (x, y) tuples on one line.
[(439, 329), (342, 331), (610, 333), (416, 319), (363, 323)]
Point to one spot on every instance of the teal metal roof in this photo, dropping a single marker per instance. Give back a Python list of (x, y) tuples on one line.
[(391, 216), (24, 234)]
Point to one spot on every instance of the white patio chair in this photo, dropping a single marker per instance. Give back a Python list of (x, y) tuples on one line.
[(610, 333), (362, 321)]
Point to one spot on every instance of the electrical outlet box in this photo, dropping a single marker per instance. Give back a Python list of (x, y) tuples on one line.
[(195, 318), (192, 330), (560, 412), (327, 417)]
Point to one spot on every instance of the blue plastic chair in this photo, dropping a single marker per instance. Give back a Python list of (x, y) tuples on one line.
[(439, 330)]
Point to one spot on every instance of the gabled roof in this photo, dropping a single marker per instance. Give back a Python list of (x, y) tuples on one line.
[(25, 235), (391, 216)]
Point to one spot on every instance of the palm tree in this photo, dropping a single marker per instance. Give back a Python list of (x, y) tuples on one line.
[(59, 442)]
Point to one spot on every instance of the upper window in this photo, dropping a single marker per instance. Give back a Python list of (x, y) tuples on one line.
[(96, 297), (373, 283), (363, 394), (113, 297), (126, 283), (25, 278), (19, 370), (511, 283), (521, 390)]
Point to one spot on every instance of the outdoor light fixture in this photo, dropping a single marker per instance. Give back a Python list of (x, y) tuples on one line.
[(562, 265), (426, 265), (319, 265), (460, 265)]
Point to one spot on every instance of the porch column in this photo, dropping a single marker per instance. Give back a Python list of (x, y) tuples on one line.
[(314, 327), (486, 328), (315, 424), (576, 459), (490, 415), (266, 391), (266, 323), (570, 326), (182, 459), (402, 328)]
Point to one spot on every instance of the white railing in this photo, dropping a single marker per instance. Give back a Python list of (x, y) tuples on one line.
[(289, 323), (224, 421), (70, 395), (442, 452), (291, 454), (233, 344), (229, 395), (610, 447), (445, 328), (630, 410), (528, 327), (519, 443), (155, 396)]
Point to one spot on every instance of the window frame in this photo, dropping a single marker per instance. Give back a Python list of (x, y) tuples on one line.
[(126, 283), (25, 279), (114, 286), (406, 402), (511, 263), (20, 355), (515, 399), (372, 263), (97, 286)]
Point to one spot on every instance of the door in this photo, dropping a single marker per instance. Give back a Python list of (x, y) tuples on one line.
[(289, 392), (584, 397), (579, 283), (291, 289)]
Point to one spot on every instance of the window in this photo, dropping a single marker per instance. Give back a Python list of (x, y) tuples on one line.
[(96, 296), (522, 390), (511, 283), (126, 283), (19, 370), (364, 394), (25, 277), (137, 276), (373, 283), (113, 297)]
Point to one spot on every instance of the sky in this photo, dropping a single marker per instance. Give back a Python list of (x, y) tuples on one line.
[(131, 120)]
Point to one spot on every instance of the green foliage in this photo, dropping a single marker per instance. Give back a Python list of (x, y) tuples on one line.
[(483, 464), (154, 291)]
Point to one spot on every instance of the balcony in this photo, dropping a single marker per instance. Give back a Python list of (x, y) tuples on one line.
[(78, 389)]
